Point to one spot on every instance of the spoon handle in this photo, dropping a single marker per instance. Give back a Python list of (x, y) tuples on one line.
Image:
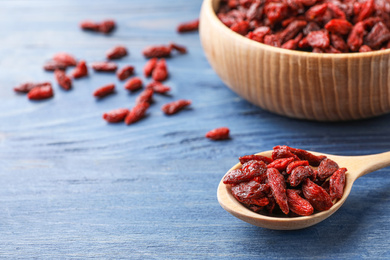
[(365, 164)]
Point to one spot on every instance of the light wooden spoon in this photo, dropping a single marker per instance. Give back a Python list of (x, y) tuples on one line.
[(357, 166)]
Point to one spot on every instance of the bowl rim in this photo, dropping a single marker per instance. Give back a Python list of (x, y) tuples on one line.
[(208, 4)]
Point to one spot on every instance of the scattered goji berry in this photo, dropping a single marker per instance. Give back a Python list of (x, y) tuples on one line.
[(27, 86), (175, 106), (157, 51), (160, 72), (145, 96), (125, 72), (181, 49), (116, 115), (104, 91), (133, 84), (81, 70), (62, 79), (136, 113), (41, 92), (188, 26), (53, 65), (221, 133), (158, 87), (116, 52), (104, 66), (65, 58), (149, 67), (89, 25), (107, 26)]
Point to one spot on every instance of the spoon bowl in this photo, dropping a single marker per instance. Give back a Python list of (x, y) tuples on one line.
[(357, 166)]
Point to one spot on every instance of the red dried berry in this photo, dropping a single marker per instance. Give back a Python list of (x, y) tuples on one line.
[(145, 96), (365, 48), (278, 188), (316, 195), (157, 51), (107, 26), (125, 72), (136, 113), (337, 183), (297, 204), (366, 10), (299, 174), (133, 84), (249, 190), (240, 27), (104, 91), (27, 86), (221, 133), (160, 72), (355, 37), (378, 35), (89, 25), (259, 33), (149, 67), (62, 79), (327, 168), (175, 106), (41, 92), (276, 12), (188, 26), (281, 164), (116, 53), (318, 39), (301, 154), (339, 26), (295, 164), (81, 70), (158, 87), (54, 65), (116, 115), (246, 158), (65, 58), (248, 171), (181, 49), (104, 66)]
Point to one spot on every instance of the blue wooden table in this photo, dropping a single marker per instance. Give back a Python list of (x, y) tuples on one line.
[(73, 186)]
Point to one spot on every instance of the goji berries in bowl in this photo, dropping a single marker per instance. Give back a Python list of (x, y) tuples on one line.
[(299, 84)]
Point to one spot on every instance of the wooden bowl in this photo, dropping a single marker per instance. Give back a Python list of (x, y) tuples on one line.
[(324, 87)]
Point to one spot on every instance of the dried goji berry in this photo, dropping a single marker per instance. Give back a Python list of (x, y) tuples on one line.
[(188, 26), (125, 72), (365, 48), (378, 35), (53, 65), (160, 72), (282, 151), (292, 30), (81, 70), (318, 39), (116, 52), (41, 92), (259, 33), (337, 183), (355, 37), (248, 190), (181, 49), (297, 204), (145, 96), (27, 86), (246, 158), (339, 26), (65, 58), (157, 51), (158, 87), (316, 195), (276, 12), (280, 164), (299, 174), (133, 84), (327, 168), (366, 10), (89, 25), (278, 188), (136, 113), (294, 164), (240, 27), (248, 171), (149, 67), (107, 26), (104, 66), (62, 79), (175, 106), (221, 133), (301, 154), (116, 115), (104, 91)]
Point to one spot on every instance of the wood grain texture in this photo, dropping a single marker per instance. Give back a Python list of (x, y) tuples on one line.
[(74, 187), (336, 86)]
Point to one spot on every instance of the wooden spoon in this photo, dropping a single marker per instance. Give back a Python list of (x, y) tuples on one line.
[(357, 166)]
